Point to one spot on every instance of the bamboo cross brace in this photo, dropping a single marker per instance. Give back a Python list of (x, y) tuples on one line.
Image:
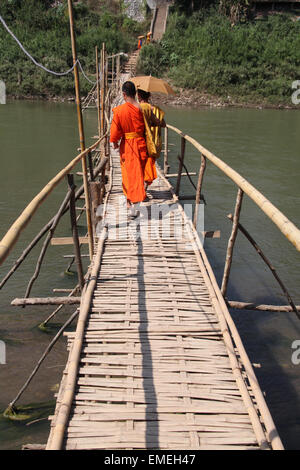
[(181, 158), (47, 241), (231, 241), (270, 266), (199, 188), (46, 352), (289, 230)]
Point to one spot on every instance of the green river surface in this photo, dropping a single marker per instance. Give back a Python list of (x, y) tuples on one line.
[(39, 138)]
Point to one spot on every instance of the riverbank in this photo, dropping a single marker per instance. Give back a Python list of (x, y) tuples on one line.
[(183, 98), (195, 99), (253, 63)]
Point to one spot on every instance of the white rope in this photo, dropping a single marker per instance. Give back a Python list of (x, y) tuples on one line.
[(80, 66), (30, 57), (59, 74)]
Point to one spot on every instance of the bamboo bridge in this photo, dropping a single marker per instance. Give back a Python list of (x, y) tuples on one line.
[(155, 361)]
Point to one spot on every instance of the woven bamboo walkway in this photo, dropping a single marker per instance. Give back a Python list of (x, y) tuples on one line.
[(156, 370)]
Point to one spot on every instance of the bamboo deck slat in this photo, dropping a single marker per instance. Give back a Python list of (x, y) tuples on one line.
[(155, 370)]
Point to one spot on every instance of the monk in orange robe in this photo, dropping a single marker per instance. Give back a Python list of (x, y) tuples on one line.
[(153, 124), (128, 126)]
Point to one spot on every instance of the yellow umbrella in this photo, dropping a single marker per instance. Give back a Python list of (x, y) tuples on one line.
[(152, 85)]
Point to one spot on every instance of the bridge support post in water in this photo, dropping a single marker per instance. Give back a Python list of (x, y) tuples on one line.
[(81, 131), (180, 166), (231, 242), (75, 232), (199, 188), (166, 164)]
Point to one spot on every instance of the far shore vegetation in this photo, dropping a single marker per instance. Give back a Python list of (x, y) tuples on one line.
[(221, 48), (228, 52), (43, 28)]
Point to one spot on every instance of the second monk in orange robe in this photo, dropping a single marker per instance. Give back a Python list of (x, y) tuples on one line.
[(128, 125)]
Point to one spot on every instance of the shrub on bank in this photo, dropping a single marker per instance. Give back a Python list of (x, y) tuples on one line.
[(251, 61), (42, 26)]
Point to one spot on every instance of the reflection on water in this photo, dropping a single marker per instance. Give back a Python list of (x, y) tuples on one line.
[(37, 139)]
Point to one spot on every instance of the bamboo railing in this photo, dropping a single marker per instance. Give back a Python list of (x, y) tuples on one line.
[(289, 230), (286, 227), (11, 237)]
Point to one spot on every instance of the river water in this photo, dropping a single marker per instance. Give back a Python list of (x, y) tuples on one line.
[(38, 139)]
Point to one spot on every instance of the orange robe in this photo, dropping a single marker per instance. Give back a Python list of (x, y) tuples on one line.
[(156, 131), (128, 125), (150, 173)]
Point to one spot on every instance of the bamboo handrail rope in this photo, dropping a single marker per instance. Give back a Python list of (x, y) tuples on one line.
[(56, 440), (223, 312), (12, 235), (289, 230)]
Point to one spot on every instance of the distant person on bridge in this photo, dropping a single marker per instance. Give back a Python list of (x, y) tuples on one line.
[(129, 127), (140, 42), (154, 121), (148, 39)]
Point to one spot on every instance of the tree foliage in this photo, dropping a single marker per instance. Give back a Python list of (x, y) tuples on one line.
[(254, 61), (42, 26)]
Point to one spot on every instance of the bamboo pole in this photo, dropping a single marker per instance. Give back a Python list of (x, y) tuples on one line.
[(270, 266), (231, 241), (12, 235), (45, 354), (118, 72), (46, 227), (289, 230), (65, 405), (75, 233), (166, 154), (102, 90), (261, 307), (230, 332), (188, 175), (112, 73), (56, 441), (47, 241), (81, 130), (181, 158), (45, 301), (44, 323), (98, 92), (199, 188)]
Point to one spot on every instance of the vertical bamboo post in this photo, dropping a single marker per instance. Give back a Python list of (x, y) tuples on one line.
[(231, 241), (270, 266), (112, 72), (102, 114), (81, 131), (118, 72), (199, 188), (75, 232), (98, 92), (107, 106), (105, 69), (180, 165), (102, 90), (166, 165), (90, 163)]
